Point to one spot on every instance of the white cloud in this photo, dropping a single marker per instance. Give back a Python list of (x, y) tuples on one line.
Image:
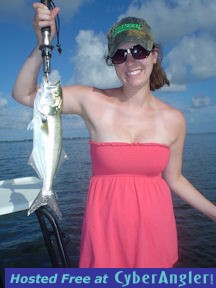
[(202, 115), (201, 101), (54, 76), (189, 27), (3, 103), (22, 9), (89, 61), (11, 117), (192, 59), (174, 88), (187, 24), (69, 8), (3, 111), (180, 23), (202, 110), (173, 19)]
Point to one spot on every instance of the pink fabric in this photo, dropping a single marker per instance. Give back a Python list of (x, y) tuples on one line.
[(129, 219)]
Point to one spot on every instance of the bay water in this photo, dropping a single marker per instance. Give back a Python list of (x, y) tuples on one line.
[(21, 240)]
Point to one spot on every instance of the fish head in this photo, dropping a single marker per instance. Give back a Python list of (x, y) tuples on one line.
[(50, 98)]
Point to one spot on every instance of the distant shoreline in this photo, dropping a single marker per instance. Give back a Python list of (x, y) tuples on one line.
[(87, 138), (30, 140)]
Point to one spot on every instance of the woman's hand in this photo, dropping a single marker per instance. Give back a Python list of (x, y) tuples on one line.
[(44, 17)]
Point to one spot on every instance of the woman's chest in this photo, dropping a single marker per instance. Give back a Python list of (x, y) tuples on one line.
[(130, 126)]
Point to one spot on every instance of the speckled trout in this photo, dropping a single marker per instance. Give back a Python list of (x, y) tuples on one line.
[(47, 142)]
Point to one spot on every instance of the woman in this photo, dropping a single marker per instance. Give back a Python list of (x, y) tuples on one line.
[(136, 149)]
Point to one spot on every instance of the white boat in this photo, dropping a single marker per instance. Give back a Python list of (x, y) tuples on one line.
[(18, 194)]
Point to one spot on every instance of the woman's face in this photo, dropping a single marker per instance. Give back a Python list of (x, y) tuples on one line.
[(135, 72)]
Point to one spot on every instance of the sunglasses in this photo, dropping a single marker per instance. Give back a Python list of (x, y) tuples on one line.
[(138, 52)]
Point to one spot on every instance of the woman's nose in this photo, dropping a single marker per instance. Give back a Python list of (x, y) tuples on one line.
[(130, 58)]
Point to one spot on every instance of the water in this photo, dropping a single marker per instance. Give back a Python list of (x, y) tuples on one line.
[(21, 242)]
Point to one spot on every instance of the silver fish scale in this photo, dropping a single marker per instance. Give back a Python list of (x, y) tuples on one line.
[(47, 142)]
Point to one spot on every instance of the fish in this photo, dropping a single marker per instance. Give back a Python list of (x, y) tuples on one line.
[(47, 152)]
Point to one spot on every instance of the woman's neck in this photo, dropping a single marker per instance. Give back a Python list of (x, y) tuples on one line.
[(135, 97)]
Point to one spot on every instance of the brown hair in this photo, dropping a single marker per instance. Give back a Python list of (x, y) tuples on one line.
[(158, 76)]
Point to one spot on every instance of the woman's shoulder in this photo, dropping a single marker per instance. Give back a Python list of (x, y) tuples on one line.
[(170, 111), (172, 115)]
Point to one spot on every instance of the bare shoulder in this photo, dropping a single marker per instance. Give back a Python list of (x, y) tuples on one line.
[(173, 122), (174, 116)]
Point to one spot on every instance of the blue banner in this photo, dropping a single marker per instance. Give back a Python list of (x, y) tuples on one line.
[(109, 278)]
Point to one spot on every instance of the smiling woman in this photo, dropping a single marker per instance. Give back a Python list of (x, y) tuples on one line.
[(146, 45), (136, 146)]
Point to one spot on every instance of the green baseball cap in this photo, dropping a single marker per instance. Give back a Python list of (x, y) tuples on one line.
[(130, 29)]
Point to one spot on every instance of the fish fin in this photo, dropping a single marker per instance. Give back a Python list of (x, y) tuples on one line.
[(31, 162), (42, 200), (42, 119), (31, 125), (62, 158)]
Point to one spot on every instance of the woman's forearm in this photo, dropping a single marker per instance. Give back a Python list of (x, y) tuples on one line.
[(187, 192)]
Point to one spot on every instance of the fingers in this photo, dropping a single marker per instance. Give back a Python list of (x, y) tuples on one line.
[(55, 11), (43, 18)]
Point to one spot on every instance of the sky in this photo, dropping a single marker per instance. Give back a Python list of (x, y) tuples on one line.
[(185, 29)]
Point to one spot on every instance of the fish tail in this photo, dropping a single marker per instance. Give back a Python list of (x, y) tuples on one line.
[(42, 200)]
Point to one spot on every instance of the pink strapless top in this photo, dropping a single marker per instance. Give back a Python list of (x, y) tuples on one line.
[(147, 159)]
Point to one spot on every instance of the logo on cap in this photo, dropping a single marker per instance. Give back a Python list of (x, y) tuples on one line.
[(126, 27)]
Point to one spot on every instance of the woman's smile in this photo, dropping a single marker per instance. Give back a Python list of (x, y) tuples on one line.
[(133, 73)]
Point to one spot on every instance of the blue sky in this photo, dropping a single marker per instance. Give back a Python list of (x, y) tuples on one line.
[(186, 30)]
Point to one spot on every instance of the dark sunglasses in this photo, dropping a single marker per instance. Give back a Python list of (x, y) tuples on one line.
[(138, 52)]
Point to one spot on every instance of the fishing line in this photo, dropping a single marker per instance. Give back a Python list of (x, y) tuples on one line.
[(57, 24)]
